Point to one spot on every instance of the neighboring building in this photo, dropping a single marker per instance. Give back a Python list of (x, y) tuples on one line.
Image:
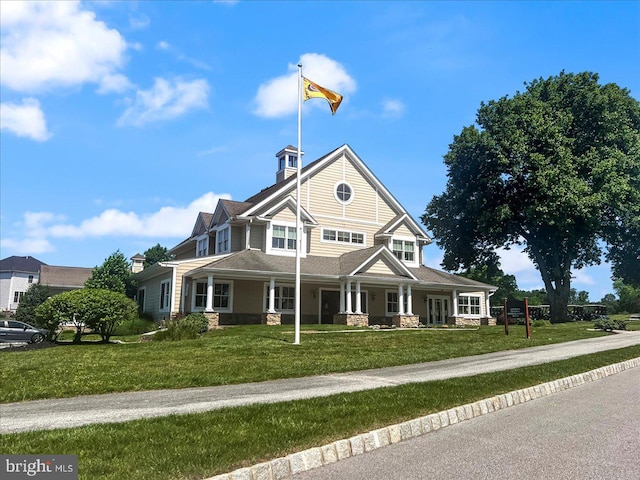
[(63, 279), (17, 274), (361, 262)]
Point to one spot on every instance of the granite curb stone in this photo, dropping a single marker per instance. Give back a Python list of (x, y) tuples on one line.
[(287, 467)]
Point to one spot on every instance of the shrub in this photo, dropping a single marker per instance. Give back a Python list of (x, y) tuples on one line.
[(137, 326), (608, 324), (186, 328)]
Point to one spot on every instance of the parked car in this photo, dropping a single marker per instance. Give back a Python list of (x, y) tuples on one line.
[(15, 331)]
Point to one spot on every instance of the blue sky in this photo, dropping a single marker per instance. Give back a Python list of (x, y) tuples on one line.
[(122, 120)]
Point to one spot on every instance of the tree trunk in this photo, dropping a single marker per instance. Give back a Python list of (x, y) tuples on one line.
[(559, 300)]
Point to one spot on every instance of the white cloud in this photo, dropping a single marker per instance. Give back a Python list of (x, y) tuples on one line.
[(162, 45), (117, 83), (166, 100), (139, 22), (174, 222), (26, 120), (277, 97), (50, 44), (393, 108), (27, 246)]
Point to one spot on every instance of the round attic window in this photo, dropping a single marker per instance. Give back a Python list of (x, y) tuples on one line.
[(344, 192)]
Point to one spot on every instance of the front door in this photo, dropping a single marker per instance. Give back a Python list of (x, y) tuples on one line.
[(438, 310), (329, 305)]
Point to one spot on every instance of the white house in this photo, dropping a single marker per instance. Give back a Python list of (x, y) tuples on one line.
[(17, 274)]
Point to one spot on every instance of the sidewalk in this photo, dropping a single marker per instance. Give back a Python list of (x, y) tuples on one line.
[(122, 407)]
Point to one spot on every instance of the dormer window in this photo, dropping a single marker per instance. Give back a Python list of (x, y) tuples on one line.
[(202, 249), (404, 250), (222, 240)]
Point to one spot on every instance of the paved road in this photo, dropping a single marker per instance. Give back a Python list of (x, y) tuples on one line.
[(113, 408), (586, 433)]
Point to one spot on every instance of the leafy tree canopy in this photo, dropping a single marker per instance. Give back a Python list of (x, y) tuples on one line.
[(34, 296), (112, 275), (555, 168), (492, 274), (156, 254)]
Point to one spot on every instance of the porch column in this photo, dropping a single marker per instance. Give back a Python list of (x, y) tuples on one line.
[(488, 304), (358, 299), (272, 295), (209, 307), (455, 303), (400, 300), (342, 307), (348, 293), (409, 301)]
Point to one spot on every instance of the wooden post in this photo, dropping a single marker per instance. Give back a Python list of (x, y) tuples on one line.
[(506, 318), (526, 317)]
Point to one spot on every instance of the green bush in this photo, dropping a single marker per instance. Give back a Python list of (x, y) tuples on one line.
[(136, 327), (608, 324), (186, 328)]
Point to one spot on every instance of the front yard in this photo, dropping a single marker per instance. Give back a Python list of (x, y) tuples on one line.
[(248, 354)]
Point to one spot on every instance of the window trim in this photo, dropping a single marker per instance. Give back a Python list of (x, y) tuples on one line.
[(194, 290), (390, 313), (166, 296), (202, 239), (219, 232), (143, 307), (469, 305), (277, 304), (284, 251), (335, 192), (404, 241), (339, 242)]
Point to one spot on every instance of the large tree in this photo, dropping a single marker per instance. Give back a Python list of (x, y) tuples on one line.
[(156, 254), (556, 169), (114, 274)]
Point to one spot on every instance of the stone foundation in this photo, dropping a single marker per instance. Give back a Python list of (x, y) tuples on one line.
[(271, 319), (351, 319), (406, 321), (471, 322), (214, 320)]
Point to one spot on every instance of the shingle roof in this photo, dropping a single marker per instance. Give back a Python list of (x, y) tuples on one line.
[(20, 264), (257, 261), (72, 277), (234, 208)]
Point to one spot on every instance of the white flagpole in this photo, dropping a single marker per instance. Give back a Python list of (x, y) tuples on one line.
[(296, 340)]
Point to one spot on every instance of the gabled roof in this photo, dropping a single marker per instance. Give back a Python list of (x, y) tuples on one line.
[(234, 208), (364, 259), (403, 219), (202, 224), (69, 277), (20, 264), (288, 202)]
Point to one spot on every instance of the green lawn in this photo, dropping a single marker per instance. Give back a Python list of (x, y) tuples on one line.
[(248, 354), (201, 445)]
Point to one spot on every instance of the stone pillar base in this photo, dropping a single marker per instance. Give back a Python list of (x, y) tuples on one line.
[(488, 321), (214, 320), (406, 321), (271, 319), (351, 319)]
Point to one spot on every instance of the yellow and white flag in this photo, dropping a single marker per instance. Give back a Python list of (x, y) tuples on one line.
[(313, 90)]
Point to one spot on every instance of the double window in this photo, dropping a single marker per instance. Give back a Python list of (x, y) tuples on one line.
[(469, 305), (17, 297), (283, 238), (284, 298), (393, 302), (404, 250), (221, 296), (222, 240), (203, 247)]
